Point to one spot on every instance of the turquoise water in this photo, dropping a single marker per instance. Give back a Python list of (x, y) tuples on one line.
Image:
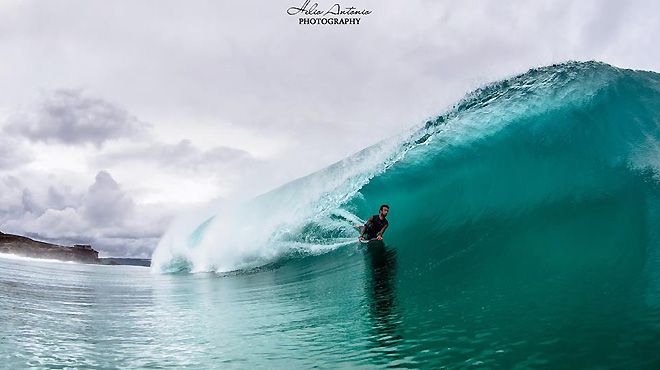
[(524, 233)]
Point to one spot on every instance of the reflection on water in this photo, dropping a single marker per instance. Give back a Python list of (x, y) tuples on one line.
[(381, 294)]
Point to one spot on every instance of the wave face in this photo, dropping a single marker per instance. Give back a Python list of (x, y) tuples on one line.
[(565, 156), (524, 232)]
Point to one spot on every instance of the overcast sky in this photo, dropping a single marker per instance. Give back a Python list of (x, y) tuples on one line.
[(117, 115)]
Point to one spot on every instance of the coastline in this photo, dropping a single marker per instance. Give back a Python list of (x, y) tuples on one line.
[(22, 246), (26, 247)]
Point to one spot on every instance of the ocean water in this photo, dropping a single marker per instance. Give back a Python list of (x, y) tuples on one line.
[(524, 233)]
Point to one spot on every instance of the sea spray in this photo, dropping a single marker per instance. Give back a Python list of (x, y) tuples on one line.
[(301, 217)]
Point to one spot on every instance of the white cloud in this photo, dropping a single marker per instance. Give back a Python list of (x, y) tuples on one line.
[(106, 204), (70, 117), (183, 156), (13, 154)]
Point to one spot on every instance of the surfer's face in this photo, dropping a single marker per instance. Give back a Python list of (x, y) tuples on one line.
[(384, 211)]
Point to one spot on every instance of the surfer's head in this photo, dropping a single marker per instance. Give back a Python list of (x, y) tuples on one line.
[(383, 210)]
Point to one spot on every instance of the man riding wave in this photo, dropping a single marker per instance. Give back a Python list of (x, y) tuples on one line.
[(375, 225)]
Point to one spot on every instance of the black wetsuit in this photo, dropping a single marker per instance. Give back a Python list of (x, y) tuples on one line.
[(373, 227)]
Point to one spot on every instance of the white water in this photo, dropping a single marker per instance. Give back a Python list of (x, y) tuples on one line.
[(229, 236)]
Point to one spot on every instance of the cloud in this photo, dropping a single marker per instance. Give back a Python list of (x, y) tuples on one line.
[(106, 203), (11, 190), (183, 156), (69, 117), (13, 154), (182, 172), (104, 215)]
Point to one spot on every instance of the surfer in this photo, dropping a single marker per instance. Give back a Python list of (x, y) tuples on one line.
[(375, 225)]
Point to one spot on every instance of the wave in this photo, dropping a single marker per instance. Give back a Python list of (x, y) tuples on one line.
[(562, 155)]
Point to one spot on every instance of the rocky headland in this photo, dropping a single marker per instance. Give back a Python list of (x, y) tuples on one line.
[(26, 247)]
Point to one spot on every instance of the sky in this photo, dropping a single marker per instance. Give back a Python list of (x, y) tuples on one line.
[(117, 116)]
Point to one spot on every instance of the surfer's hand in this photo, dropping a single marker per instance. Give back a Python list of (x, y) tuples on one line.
[(379, 237)]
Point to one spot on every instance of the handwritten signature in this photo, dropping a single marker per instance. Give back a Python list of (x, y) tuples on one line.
[(335, 9)]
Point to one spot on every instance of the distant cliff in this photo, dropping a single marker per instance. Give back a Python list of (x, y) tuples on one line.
[(26, 247), (144, 262)]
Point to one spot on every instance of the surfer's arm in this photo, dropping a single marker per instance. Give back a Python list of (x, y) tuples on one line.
[(364, 227), (369, 220), (381, 232)]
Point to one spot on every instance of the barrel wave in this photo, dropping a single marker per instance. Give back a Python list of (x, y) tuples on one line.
[(561, 162), (524, 230)]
